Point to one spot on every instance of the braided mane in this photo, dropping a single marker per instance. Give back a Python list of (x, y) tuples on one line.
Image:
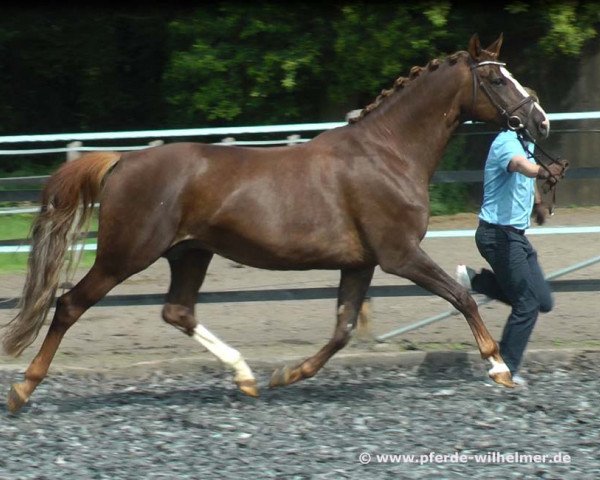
[(401, 82)]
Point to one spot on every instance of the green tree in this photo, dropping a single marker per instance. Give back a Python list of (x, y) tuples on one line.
[(67, 69), (252, 63), (374, 43), (258, 63)]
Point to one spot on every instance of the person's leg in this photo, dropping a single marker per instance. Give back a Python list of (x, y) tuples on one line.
[(522, 286), (540, 285), (486, 282), (492, 244), (517, 280)]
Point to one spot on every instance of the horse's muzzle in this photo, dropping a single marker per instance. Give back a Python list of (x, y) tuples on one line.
[(544, 129)]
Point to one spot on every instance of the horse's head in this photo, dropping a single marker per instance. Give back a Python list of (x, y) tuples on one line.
[(498, 97)]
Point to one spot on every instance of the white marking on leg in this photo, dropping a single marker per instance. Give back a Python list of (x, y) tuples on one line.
[(497, 367), (229, 356)]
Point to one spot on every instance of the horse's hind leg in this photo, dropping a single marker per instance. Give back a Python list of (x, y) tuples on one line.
[(188, 269), (423, 271), (69, 307), (351, 294)]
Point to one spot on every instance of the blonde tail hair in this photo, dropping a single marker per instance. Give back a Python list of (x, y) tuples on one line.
[(68, 200)]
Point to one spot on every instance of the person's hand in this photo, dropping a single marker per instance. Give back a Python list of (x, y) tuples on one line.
[(540, 213), (553, 173)]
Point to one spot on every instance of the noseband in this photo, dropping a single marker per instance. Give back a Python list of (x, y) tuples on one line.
[(513, 122)]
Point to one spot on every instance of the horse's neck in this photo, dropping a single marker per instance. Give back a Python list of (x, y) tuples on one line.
[(418, 121)]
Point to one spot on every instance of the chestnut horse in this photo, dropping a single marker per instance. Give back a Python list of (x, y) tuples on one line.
[(353, 198)]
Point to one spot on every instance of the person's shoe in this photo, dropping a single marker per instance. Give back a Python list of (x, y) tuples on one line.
[(519, 381), (464, 276)]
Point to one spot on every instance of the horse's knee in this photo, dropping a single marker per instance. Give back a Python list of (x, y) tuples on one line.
[(180, 317)]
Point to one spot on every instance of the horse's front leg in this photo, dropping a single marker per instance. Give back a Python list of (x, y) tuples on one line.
[(351, 294), (423, 271)]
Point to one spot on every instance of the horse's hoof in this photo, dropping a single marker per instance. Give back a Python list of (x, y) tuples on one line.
[(280, 377), (249, 387), (16, 398), (503, 378)]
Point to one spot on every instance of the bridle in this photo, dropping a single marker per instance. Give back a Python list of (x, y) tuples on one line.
[(514, 123)]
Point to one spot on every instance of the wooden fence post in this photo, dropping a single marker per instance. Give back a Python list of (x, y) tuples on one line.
[(73, 154), (293, 139)]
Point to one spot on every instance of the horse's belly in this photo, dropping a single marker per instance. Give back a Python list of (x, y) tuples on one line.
[(285, 251)]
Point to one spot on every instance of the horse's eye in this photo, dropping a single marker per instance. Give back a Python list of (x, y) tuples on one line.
[(498, 81)]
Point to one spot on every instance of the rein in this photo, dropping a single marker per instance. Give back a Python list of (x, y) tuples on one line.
[(552, 159)]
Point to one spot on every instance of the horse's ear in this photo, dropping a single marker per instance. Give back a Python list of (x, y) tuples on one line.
[(475, 47), (494, 48)]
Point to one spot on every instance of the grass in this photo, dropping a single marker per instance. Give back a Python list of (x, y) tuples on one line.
[(576, 343), (16, 227), (17, 262)]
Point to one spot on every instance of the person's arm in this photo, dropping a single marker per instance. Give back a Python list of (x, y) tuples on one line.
[(552, 172), (520, 164)]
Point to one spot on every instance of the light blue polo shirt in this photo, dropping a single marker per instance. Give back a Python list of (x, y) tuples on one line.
[(507, 196)]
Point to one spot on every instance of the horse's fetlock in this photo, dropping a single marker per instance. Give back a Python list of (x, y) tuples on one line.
[(308, 370), (489, 349)]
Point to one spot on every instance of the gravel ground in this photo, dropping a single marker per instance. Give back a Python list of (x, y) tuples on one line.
[(197, 426)]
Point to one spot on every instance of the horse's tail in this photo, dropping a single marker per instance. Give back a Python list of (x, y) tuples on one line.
[(60, 222)]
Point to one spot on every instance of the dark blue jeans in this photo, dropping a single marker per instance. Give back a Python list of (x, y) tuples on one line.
[(517, 280)]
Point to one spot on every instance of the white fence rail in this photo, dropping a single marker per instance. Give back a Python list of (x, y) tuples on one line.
[(11, 192), (182, 132), (468, 233), (221, 131)]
